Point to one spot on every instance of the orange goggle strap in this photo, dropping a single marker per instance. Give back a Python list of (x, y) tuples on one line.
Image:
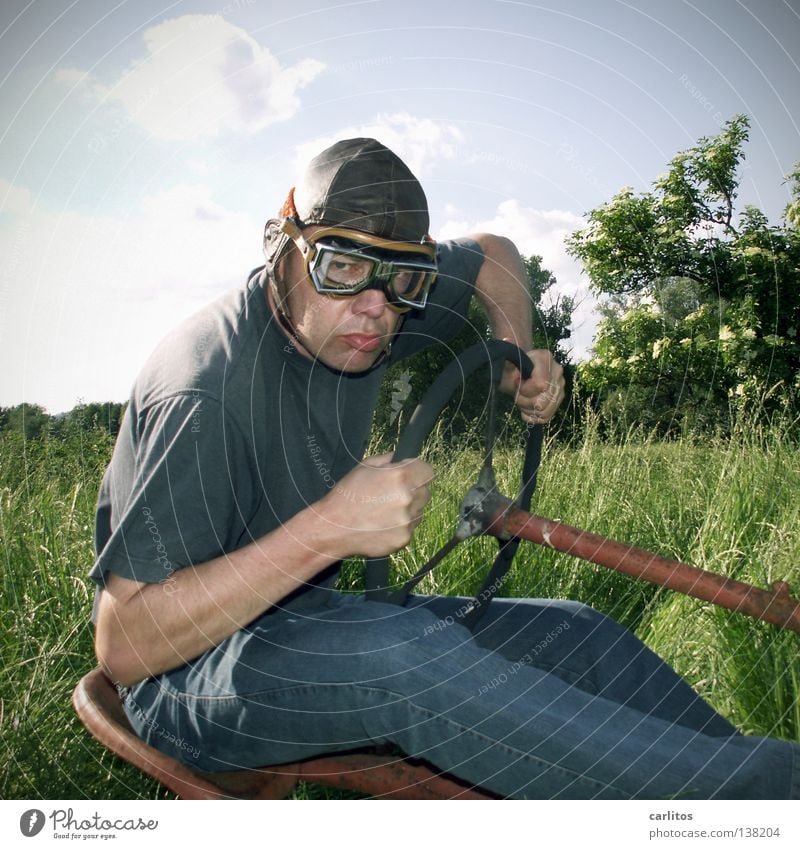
[(426, 248)]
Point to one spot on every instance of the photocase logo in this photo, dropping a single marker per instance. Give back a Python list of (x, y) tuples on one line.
[(66, 825), (31, 822)]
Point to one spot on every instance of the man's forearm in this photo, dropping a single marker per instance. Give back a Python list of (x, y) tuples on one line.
[(147, 629), (501, 288)]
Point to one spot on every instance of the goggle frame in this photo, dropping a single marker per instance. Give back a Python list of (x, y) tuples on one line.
[(379, 277)]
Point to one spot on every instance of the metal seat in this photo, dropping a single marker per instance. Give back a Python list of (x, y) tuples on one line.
[(98, 706)]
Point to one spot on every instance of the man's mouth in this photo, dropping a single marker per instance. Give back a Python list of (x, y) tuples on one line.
[(365, 342)]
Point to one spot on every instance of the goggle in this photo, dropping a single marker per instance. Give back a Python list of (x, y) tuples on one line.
[(342, 263)]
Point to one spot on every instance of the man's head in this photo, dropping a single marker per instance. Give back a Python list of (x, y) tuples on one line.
[(351, 253)]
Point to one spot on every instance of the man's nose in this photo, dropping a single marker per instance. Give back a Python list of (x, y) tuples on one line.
[(370, 302)]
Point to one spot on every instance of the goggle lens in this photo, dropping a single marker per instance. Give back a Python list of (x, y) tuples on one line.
[(342, 270)]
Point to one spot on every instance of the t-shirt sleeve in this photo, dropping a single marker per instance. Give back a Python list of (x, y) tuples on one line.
[(171, 496), (443, 318)]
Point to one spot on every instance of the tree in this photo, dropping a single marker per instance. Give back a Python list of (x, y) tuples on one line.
[(28, 419), (702, 304), (105, 415)]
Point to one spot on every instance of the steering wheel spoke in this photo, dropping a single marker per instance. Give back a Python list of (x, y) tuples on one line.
[(482, 500)]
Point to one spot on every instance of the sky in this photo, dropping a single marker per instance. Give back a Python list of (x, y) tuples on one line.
[(143, 144)]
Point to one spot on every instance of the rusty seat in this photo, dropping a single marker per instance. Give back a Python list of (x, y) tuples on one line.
[(98, 706)]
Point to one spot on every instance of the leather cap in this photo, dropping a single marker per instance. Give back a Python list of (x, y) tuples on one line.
[(361, 184)]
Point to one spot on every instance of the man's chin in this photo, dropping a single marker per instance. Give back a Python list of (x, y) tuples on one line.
[(359, 361), (352, 361), (348, 361)]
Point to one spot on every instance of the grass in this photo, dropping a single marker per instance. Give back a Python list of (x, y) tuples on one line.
[(727, 506)]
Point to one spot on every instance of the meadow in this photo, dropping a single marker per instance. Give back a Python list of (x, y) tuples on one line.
[(727, 505)]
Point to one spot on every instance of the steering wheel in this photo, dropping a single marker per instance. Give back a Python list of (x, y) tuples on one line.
[(482, 500)]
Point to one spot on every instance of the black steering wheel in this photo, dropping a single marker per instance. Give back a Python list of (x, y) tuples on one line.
[(493, 353)]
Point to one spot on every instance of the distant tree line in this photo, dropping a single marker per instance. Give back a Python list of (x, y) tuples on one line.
[(33, 421)]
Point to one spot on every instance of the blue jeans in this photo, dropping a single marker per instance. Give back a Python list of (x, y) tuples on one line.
[(548, 700)]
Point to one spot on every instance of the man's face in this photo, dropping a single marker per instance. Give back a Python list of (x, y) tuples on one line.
[(345, 333)]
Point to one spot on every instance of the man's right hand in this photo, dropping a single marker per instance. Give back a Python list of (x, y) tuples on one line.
[(378, 505)]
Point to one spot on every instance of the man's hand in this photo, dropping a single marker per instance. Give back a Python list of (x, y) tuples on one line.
[(540, 395), (378, 505), (502, 290)]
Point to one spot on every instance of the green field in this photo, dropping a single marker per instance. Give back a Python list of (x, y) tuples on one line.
[(727, 506)]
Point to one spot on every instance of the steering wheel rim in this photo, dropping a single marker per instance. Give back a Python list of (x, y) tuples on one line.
[(493, 353)]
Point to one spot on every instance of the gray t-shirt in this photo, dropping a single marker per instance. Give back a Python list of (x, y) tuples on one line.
[(230, 431)]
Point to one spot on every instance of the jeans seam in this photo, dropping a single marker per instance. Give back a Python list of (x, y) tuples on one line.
[(518, 753)]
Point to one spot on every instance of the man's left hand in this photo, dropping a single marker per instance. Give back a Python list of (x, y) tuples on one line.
[(540, 395)]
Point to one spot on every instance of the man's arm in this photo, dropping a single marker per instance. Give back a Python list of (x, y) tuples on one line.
[(146, 629), (501, 287)]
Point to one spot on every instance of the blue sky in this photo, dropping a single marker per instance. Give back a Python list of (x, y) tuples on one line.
[(143, 144)]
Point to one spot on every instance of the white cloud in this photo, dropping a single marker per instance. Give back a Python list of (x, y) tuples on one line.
[(14, 199), (419, 142), (542, 232), (202, 76), (73, 77), (86, 298)]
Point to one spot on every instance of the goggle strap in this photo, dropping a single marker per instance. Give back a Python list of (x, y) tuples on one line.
[(291, 226)]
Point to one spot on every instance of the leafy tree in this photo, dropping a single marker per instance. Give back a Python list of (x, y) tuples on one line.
[(28, 419), (702, 304), (792, 212), (95, 416)]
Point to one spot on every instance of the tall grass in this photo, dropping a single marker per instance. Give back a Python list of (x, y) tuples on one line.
[(727, 506), (47, 495)]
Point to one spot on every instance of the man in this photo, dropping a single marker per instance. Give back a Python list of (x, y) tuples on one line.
[(237, 486)]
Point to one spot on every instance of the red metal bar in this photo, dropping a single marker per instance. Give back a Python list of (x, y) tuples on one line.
[(776, 607)]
